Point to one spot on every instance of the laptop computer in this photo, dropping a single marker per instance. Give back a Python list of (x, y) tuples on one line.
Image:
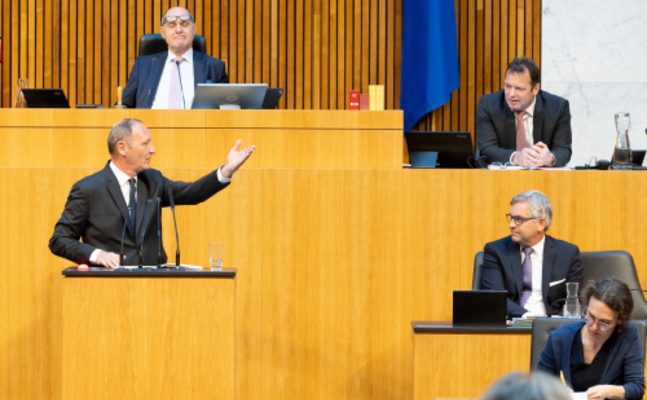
[(480, 308), (439, 149), (272, 97), (45, 98)]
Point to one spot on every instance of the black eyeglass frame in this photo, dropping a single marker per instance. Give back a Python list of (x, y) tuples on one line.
[(518, 220)]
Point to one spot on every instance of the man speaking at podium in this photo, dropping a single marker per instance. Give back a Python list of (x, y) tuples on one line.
[(167, 80), (111, 205)]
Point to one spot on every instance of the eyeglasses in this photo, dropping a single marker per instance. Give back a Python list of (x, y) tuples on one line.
[(184, 20), (590, 320), (517, 220)]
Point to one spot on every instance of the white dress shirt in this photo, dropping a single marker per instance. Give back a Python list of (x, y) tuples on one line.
[(535, 303), (528, 123), (187, 79)]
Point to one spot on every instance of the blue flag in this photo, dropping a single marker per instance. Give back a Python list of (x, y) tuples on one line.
[(429, 57)]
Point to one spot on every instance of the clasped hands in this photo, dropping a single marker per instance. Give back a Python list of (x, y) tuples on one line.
[(538, 155)]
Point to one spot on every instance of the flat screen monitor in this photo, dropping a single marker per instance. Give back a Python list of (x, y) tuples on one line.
[(45, 98), (230, 96), (439, 149)]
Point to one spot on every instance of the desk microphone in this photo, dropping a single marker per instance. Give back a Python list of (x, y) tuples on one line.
[(179, 75), (150, 82), (123, 233), (159, 234), (177, 237), (141, 245)]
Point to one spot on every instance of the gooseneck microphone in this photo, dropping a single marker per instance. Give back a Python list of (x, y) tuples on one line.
[(141, 244), (177, 237), (179, 75), (121, 254), (150, 82), (159, 233)]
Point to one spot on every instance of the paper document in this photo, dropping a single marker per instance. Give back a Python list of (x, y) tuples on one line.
[(579, 396)]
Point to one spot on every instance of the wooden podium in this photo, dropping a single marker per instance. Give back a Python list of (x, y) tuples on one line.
[(148, 335)]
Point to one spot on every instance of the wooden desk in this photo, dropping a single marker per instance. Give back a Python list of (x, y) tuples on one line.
[(463, 363), (158, 335)]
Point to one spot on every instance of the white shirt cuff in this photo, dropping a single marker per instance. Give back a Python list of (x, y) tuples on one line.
[(221, 178), (95, 255)]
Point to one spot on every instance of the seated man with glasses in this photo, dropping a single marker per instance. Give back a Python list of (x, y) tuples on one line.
[(168, 79), (602, 355), (532, 266)]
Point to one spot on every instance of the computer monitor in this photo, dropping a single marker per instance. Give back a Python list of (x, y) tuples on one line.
[(439, 149), (232, 96)]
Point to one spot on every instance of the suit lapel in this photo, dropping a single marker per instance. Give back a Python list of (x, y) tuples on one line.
[(117, 195), (538, 119), (514, 260), (158, 67), (547, 269), (510, 128), (198, 68)]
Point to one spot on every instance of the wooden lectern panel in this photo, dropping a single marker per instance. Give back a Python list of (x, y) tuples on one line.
[(464, 365), (148, 338)]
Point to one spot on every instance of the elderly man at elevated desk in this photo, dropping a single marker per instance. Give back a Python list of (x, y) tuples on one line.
[(110, 206), (532, 266), (523, 124), (168, 79)]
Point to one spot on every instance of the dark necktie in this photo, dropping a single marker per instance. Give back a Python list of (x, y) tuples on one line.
[(132, 205), (175, 94), (527, 277)]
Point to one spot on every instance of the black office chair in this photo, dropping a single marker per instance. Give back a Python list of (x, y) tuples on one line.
[(152, 43), (478, 271), (605, 264), (542, 327)]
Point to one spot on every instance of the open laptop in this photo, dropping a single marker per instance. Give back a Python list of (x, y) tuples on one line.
[(272, 97), (439, 149), (480, 308), (45, 98)]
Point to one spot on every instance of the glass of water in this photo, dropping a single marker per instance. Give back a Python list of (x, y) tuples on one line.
[(215, 256)]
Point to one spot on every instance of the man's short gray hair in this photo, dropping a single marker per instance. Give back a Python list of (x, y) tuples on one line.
[(122, 130), (527, 386), (540, 206)]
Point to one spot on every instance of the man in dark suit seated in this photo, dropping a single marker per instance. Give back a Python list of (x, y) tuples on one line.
[(523, 124), (111, 204), (168, 79), (532, 266)]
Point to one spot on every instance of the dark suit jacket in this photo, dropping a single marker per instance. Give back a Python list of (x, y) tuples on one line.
[(496, 133), (96, 210), (625, 365), (145, 77), (502, 270)]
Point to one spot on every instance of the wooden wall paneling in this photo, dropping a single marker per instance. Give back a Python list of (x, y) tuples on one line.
[(81, 36), (496, 45), (536, 32), (358, 47), (324, 78), (389, 83), (340, 84), (106, 54), (299, 45), (398, 52), (348, 46), (504, 39), (258, 60), (365, 61), (224, 36), (316, 54), (290, 71), (373, 44), (39, 48), (381, 49), (242, 50), (308, 53), (333, 46), (21, 36), (7, 52)]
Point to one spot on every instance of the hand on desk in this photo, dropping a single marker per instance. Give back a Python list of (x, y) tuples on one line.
[(235, 159), (107, 259), (601, 392), (538, 155)]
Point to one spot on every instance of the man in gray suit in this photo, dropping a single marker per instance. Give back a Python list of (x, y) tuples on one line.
[(111, 204), (532, 266), (523, 124)]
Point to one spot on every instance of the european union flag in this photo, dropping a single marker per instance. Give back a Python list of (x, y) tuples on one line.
[(429, 57)]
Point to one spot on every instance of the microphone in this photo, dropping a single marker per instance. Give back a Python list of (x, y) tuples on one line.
[(159, 234), (141, 244), (181, 87), (177, 237), (150, 82), (123, 233)]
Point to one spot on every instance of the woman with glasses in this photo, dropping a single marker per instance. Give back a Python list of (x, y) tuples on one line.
[(602, 355)]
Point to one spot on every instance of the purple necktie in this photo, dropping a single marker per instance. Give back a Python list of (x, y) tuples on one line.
[(175, 94), (527, 277)]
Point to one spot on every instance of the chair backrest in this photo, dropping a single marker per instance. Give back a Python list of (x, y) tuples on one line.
[(542, 327), (478, 271), (605, 264), (152, 43)]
